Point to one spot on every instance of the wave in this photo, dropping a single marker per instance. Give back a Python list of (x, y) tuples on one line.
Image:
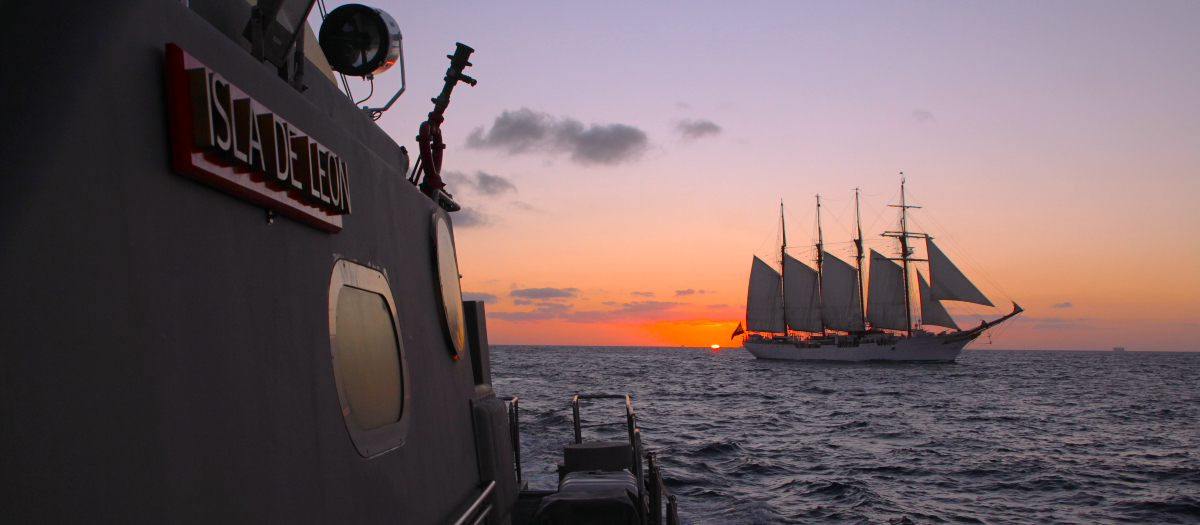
[(1003, 437), (716, 449)]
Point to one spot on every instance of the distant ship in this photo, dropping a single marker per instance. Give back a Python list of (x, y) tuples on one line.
[(806, 314), (1118, 349)]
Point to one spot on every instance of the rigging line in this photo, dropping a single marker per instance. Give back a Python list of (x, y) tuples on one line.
[(1005, 328), (764, 241), (839, 223), (974, 264), (1001, 330), (970, 311), (879, 213), (811, 238)]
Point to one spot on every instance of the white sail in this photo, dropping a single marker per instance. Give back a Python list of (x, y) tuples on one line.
[(932, 311), (947, 283), (840, 308), (764, 302), (802, 301), (885, 294)]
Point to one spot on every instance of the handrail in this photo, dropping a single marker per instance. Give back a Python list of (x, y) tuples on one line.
[(651, 490), (483, 515), (514, 430), (657, 490), (630, 419), (487, 510), (635, 439)]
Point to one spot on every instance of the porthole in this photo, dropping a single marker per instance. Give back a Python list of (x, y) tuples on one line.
[(368, 358), (449, 289)]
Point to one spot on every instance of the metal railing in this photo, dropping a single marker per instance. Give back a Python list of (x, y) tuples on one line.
[(635, 435), (651, 490), (657, 490), (630, 420), (514, 432), (635, 441), (483, 514)]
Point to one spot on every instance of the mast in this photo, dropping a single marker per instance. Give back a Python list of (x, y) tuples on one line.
[(782, 262), (904, 253), (782, 228), (820, 257), (820, 238), (858, 243)]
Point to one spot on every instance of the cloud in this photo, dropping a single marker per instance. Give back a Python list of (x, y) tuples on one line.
[(922, 115), (456, 178), (682, 105), (493, 185), (1058, 323), (481, 183), (695, 129), (479, 296), (630, 310), (527, 131), (690, 291), (522, 302), (470, 218), (542, 311), (1055, 319), (635, 309), (642, 294), (609, 303), (1062, 305), (645, 306), (523, 206), (544, 293)]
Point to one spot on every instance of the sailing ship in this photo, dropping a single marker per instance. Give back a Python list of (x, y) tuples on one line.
[(805, 314)]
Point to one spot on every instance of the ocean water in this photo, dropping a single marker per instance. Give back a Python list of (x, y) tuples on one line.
[(998, 437)]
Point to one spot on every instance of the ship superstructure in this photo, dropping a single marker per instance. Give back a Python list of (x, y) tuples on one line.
[(225, 298)]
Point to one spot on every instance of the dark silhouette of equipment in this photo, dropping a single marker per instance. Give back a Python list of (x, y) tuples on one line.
[(360, 41), (429, 139)]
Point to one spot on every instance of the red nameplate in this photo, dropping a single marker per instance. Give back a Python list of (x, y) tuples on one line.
[(224, 138)]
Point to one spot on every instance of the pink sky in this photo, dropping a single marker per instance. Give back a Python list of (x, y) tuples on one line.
[(1056, 145)]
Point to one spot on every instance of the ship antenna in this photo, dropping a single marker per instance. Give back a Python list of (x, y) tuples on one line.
[(858, 243)]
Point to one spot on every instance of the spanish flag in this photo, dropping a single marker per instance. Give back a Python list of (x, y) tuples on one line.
[(737, 331)]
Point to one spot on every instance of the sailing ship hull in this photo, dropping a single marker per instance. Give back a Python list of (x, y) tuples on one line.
[(937, 349)]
